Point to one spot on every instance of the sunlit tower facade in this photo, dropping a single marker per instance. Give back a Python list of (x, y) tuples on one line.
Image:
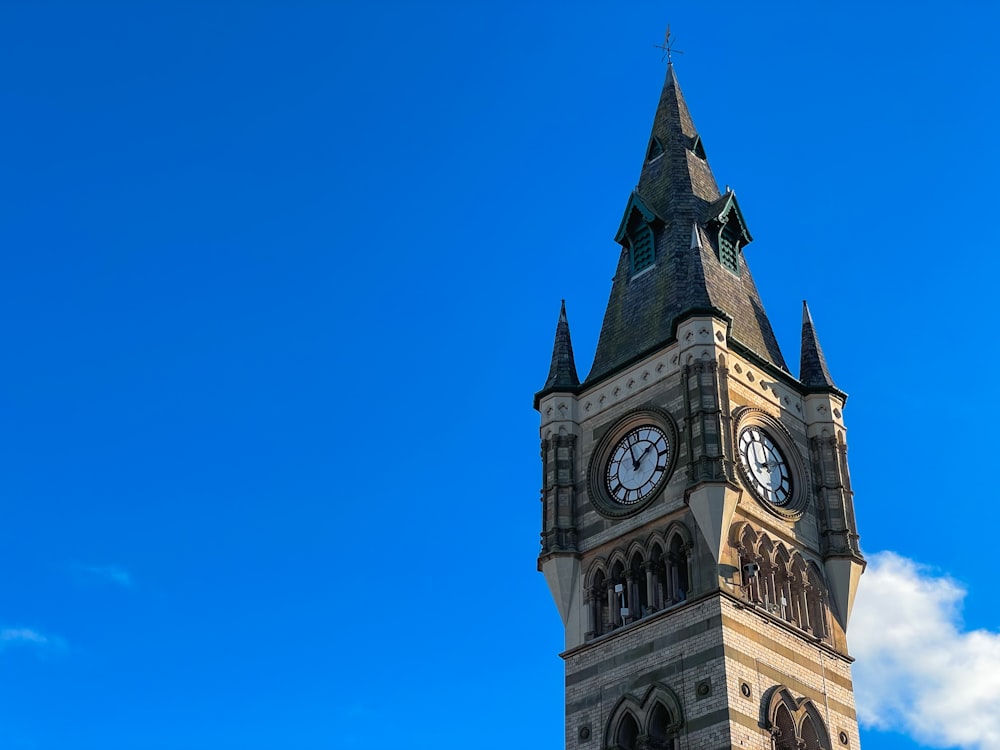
[(698, 529)]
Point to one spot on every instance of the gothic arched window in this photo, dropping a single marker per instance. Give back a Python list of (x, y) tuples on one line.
[(795, 724), (628, 732), (651, 722), (783, 730), (661, 729)]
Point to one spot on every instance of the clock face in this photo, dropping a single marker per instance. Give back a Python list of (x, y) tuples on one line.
[(638, 464), (765, 466)]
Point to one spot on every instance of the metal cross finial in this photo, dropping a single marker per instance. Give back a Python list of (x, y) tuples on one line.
[(668, 48)]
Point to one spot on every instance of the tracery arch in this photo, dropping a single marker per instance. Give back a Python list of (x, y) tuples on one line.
[(653, 575), (656, 720), (781, 581), (795, 724)]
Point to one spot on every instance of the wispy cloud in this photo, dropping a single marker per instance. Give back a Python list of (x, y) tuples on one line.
[(29, 638), (109, 573), (22, 635), (918, 669)]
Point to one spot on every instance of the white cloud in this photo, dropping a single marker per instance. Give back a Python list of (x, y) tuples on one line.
[(918, 671)]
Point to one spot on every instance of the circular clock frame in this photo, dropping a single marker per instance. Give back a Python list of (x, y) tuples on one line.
[(787, 500), (619, 487)]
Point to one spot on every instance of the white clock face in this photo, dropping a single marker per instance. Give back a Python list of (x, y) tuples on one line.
[(765, 466), (638, 464)]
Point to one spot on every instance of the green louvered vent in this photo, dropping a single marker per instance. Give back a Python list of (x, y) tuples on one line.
[(640, 240), (729, 247)]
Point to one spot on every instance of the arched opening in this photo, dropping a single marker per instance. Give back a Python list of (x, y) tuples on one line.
[(677, 572), (798, 585), (628, 732), (795, 724), (749, 567), (783, 730), (765, 553), (659, 731), (638, 590), (810, 737), (657, 597), (815, 602), (783, 584), (599, 603), (617, 598)]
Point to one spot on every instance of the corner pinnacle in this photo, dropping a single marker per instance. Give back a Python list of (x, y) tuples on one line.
[(813, 372), (562, 371)]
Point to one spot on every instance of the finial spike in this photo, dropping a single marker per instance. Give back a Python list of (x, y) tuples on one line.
[(668, 48)]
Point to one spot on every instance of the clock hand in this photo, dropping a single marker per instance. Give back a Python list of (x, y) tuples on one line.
[(642, 456)]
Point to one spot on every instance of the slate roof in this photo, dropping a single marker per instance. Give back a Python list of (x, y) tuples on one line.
[(813, 372), (687, 278), (562, 371)]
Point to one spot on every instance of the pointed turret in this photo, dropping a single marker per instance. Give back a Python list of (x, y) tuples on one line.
[(813, 372), (562, 371), (681, 254)]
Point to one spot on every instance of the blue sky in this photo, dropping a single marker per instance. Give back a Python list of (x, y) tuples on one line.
[(280, 279)]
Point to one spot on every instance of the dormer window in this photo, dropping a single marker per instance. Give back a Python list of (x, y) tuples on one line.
[(636, 235), (731, 235)]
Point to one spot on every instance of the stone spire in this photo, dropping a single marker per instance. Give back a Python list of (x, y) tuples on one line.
[(689, 238), (813, 372), (562, 371)]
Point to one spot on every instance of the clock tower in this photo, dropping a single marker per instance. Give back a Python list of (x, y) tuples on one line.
[(698, 531)]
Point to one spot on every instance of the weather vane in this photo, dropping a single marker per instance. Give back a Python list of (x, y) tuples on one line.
[(668, 48)]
